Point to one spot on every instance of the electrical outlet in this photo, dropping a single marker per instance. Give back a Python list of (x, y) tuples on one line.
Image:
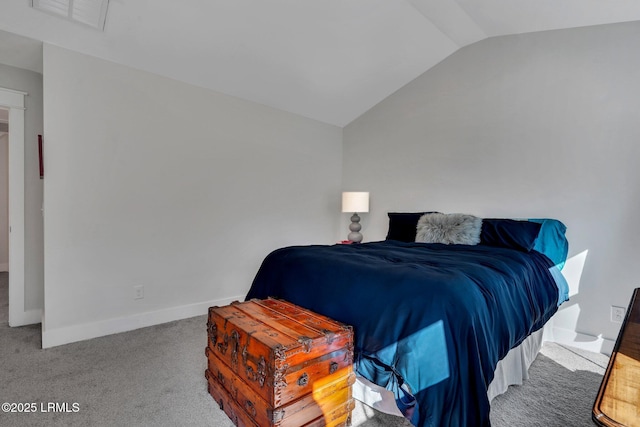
[(138, 292), (617, 314)]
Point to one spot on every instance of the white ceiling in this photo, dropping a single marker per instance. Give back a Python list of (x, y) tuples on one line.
[(330, 60)]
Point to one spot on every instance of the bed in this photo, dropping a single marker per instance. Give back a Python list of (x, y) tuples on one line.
[(431, 320)]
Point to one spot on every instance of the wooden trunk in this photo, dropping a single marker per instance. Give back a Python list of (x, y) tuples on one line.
[(618, 400), (303, 412), (272, 363)]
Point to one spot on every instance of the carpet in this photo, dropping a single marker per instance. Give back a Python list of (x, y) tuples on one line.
[(155, 377)]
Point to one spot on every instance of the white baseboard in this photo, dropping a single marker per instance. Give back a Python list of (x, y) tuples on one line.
[(66, 335), (581, 341), (24, 318), (4, 267)]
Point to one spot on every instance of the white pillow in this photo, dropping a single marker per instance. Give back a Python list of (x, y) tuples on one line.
[(450, 229)]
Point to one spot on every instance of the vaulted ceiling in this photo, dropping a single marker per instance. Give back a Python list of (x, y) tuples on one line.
[(330, 60)]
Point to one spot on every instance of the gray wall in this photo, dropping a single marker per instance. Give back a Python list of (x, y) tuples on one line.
[(156, 183), (30, 82), (535, 125)]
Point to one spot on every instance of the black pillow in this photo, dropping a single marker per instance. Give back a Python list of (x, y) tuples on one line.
[(402, 225), (509, 233)]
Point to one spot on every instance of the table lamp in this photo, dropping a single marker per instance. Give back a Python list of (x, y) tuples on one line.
[(354, 202)]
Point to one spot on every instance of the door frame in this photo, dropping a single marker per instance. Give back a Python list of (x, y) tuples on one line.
[(13, 100)]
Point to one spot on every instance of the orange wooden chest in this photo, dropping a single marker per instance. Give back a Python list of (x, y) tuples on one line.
[(272, 363)]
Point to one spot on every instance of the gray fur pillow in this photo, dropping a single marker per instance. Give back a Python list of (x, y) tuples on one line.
[(450, 229)]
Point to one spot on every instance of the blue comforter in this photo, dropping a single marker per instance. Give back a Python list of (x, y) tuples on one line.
[(438, 317)]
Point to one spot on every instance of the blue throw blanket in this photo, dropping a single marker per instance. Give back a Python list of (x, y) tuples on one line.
[(438, 317)]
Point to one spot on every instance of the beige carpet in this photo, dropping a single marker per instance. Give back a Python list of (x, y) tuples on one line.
[(154, 377)]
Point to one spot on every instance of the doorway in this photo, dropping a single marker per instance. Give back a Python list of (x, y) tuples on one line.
[(4, 190), (13, 102)]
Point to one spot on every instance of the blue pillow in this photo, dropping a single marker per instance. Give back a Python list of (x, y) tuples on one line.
[(509, 233), (402, 225), (551, 240)]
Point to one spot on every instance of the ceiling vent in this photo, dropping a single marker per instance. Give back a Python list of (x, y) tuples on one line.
[(88, 12)]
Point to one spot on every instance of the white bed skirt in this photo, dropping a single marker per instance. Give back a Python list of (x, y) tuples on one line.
[(513, 369)]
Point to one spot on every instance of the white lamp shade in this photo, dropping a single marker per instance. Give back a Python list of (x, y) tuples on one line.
[(355, 201)]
